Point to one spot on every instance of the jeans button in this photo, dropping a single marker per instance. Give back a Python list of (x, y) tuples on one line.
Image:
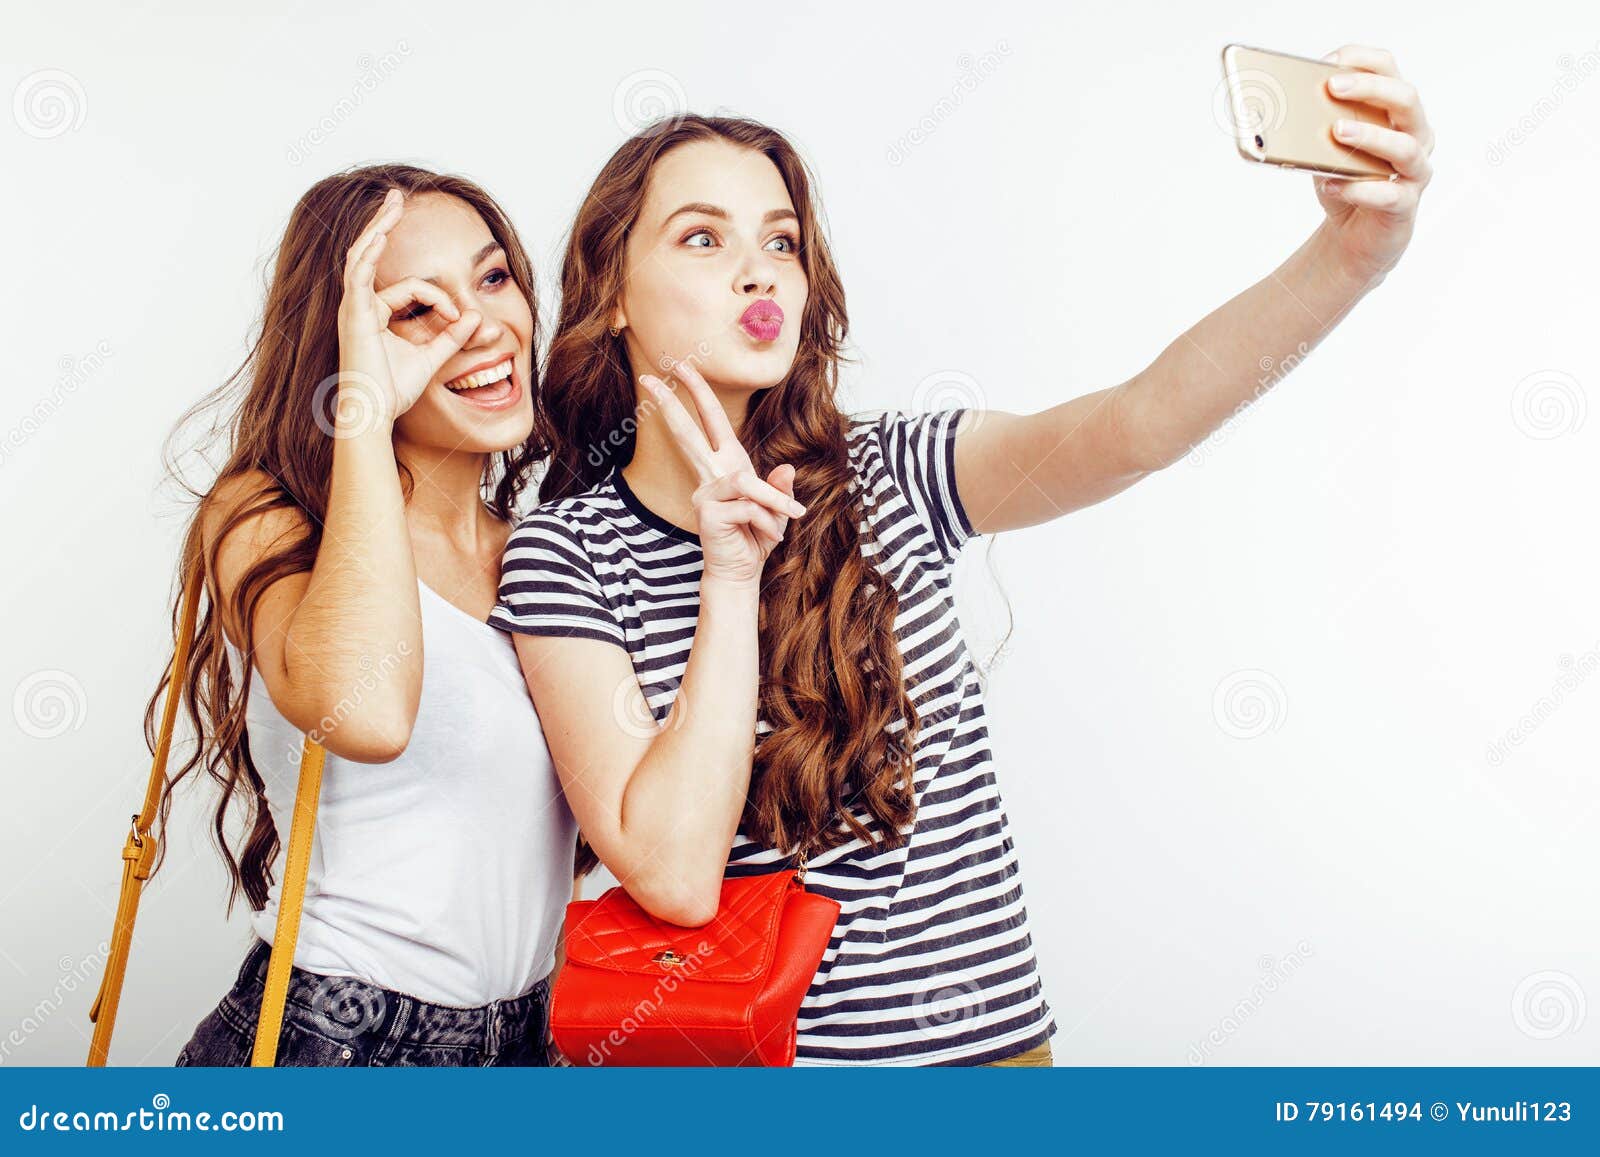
[(346, 1053)]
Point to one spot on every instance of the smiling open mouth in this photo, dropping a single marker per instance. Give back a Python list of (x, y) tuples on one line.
[(493, 385)]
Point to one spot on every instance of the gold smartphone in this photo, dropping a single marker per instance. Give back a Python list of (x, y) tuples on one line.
[(1282, 114)]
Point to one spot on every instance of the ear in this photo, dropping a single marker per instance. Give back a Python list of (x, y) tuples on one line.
[(619, 318)]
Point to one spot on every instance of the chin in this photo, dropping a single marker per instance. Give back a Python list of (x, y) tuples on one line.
[(751, 371), (508, 434)]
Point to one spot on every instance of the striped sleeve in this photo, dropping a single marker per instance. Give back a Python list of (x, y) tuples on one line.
[(548, 585), (919, 451)]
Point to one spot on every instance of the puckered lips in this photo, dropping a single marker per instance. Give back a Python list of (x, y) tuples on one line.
[(763, 320), (490, 385)]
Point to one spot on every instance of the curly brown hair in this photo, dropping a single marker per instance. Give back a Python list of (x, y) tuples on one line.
[(281, 427)]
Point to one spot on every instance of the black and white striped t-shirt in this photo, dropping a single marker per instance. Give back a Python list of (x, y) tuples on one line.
[(931, 961)]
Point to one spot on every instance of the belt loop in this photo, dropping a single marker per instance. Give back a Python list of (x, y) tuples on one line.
[(250, 967), (492, 1019)]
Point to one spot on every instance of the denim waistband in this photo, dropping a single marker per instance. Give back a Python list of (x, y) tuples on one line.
[(347, 1006)]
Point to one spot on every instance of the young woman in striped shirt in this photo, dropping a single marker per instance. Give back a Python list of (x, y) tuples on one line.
[(726, 675)]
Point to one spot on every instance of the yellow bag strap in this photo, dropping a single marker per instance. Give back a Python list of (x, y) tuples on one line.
[(139, 852), (290, 898)]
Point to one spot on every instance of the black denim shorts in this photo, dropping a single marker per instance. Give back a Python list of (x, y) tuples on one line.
[(341, 1021)]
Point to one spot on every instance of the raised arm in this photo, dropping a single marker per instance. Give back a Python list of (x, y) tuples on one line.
[(318, 635), (660, 806), (1014, 471)]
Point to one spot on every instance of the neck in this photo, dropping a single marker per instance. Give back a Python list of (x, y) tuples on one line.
[(658, 472), (446, 506)]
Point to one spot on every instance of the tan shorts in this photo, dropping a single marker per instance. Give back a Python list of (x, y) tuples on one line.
[(1036, 1057)]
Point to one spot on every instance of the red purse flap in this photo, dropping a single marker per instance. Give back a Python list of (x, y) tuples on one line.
[(614, 932)]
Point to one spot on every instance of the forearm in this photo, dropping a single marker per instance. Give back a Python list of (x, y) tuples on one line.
[(684, 801), (1235, 354), (355, 640)]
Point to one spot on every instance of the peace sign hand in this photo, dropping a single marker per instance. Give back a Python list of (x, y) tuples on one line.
[(741, 518), (390, 372)]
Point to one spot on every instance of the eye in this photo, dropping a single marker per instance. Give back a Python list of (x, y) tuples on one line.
[(413, 311), (690, 239), (790, 242)]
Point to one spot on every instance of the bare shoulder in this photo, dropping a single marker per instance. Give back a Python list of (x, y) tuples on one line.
[(245, 518)]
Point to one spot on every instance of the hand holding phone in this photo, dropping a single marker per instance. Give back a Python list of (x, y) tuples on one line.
[(1283, 114)]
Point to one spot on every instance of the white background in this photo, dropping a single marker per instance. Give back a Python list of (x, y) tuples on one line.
[(1244, 722)]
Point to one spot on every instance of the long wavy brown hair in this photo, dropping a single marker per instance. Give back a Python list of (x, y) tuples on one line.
[(831, 683), (281, 425)]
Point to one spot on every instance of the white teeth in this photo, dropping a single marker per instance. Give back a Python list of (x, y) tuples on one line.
[(481, 378)]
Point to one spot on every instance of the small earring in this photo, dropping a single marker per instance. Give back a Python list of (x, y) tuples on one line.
[(616, 331)]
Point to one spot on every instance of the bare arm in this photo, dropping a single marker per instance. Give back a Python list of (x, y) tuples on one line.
[(660, 807), (340, 647)]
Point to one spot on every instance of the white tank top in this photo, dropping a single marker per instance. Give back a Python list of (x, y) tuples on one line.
[(443, 874)]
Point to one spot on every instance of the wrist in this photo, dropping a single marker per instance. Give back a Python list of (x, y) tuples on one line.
[(1326, 259), (730, 591), (360, 406)]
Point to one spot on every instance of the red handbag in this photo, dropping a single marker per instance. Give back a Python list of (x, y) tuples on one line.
[(635, 990)]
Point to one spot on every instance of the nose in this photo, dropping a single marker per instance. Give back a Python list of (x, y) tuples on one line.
[(757, 276), (490, 328)]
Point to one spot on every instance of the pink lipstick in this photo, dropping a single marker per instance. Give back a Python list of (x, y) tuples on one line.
[(763, 320)]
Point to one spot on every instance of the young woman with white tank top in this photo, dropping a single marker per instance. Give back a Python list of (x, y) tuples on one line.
[(354, 536)]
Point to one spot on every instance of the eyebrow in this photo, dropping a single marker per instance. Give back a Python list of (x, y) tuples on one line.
[(477, 259), (706, 209)]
